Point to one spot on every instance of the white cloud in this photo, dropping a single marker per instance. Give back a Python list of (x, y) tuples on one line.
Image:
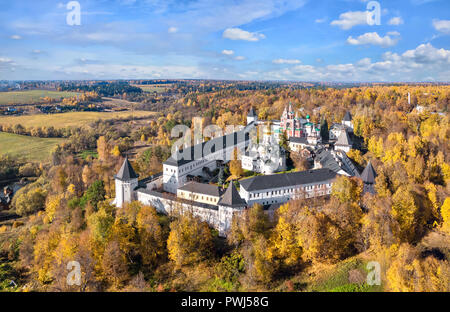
[(103, 36), (393, 33), (130, 71), (372, 39), (419, 64), (442, 26), (427, 54), (320, 20), (364, 62), (350, 19), (248, 74), (7, 65), (240, 34), (228, 52), (286, 61), (5, 60), (396, 21), (239, 58), (16, 37), (172, 30)]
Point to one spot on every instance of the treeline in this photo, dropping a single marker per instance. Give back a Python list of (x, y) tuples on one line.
[(327, 103), (13, 168), (40, 132), (102, 88), (66, 132)]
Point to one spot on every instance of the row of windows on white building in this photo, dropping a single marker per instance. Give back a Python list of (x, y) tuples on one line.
[(290, 191)]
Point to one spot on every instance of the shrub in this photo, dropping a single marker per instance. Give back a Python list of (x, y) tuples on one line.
[(28, 170), (16, 224), (29, 199)]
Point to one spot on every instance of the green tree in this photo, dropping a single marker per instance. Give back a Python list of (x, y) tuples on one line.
[(100, 223), (284, 143), (324, 132), (221, 177), (95, 193)]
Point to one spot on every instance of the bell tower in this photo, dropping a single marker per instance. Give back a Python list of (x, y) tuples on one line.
[(251, 116)]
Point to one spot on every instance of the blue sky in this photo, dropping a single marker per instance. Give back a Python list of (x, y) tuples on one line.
[(306, 40)]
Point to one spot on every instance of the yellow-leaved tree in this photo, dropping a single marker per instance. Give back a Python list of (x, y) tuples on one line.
[(284, 243), (190, 240), (235, 166), (347, 190), (445, 213), (395, 148), (411, 271), (404, 210), (103, 148), (116, 151), (151, 236), (51, 206)]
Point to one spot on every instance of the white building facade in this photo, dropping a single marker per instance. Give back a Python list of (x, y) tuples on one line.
[(280, 188)]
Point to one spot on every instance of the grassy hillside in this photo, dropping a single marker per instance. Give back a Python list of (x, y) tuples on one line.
[(349, 275), (32, 96), (30, 148), (67, 119)]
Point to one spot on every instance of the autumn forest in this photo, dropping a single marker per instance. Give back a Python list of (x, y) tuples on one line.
[(63, 212)]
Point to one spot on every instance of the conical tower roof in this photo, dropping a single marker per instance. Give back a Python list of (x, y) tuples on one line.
[(344, 139), (126, 172), (251, 112), (368, 175), (348, 116), (231, 198)]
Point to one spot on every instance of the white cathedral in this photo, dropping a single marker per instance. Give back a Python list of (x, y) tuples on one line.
[(266, 156)]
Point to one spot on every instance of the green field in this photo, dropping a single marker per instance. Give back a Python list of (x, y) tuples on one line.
[(154, 88), (71, 119), (30, 148), (32, 96)]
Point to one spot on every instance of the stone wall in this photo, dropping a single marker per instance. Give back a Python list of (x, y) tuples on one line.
[(169, 205)]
